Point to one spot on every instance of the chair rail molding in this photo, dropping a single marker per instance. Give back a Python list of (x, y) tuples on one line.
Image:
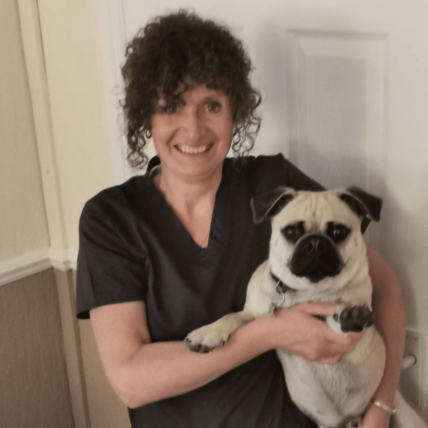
[(37, 261)]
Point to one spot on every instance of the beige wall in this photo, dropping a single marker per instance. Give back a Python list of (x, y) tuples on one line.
[(33, 378), (54, 155), (33, 381), (23, 226), (71, 50)]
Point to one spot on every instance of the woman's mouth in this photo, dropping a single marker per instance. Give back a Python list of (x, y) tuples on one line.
[(193, 150)]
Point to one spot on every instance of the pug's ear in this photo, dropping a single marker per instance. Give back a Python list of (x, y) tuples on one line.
[(362, 203), (271, 203)]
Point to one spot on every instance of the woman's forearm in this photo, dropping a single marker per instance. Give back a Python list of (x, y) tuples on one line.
[(389, 309), (165, 369), (142, 372)]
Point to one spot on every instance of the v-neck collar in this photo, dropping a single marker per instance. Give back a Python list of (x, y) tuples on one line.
[(174, 226)]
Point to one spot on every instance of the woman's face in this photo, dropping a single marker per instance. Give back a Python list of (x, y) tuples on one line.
[(193, 139)]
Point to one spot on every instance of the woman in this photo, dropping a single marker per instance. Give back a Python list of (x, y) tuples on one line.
[(171, 251)]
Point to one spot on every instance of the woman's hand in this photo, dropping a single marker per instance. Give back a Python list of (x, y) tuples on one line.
[(297, 330)]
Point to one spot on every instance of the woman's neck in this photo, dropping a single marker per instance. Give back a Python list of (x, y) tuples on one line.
[(185, 194), (192, 202)]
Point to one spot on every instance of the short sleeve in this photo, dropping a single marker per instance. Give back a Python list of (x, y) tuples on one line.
[(107, 271)]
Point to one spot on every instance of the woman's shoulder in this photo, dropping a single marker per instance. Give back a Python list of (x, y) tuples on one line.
[(261, 165), (258, 167), (260, 161), (117, 198), (266, 172)]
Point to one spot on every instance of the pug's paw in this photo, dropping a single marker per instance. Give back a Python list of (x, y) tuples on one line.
[(205, 339), (353, 319)]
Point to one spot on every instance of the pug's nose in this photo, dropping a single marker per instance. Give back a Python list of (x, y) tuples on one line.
[(315, 245)]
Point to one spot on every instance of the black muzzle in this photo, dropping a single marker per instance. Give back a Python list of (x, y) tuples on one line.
[(316, 257)]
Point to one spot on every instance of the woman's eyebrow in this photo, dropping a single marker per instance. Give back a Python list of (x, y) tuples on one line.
[(214, 97)]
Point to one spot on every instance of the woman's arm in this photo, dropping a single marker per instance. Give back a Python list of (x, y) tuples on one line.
[(389, 309), (142, 372)]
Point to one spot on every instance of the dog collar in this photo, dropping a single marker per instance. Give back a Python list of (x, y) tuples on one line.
[(280, 286), (277, 296)]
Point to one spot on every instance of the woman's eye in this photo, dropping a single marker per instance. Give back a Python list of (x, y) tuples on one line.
[(171, 109), (212, 107)]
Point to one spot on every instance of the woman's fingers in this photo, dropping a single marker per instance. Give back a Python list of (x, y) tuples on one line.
[(300, 331), (316, 308)]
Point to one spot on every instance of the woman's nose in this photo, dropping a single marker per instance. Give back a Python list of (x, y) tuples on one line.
[(193, 124)]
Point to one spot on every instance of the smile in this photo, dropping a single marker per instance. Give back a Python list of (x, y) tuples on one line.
[(193, 150)]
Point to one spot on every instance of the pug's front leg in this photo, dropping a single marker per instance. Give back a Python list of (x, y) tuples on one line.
[(215, 335), (351, 319)]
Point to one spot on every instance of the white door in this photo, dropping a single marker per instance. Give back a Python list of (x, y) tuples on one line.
[(345, 97)]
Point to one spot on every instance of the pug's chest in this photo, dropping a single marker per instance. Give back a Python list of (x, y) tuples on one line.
[(321, 390)]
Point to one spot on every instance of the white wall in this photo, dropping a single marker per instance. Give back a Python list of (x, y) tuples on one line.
[(344, 89)]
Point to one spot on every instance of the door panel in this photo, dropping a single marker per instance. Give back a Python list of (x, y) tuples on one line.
[(337, 109)]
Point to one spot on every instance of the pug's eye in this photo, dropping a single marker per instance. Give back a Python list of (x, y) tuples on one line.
[(293, 232), (337, 232)]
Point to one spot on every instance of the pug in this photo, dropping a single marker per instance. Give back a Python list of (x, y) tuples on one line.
[(318, 254)]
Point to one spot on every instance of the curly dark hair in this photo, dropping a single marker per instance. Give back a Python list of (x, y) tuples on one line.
[(179, 48)]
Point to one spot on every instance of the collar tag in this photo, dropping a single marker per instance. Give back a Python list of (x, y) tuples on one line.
[(280, 286), (277, 297)]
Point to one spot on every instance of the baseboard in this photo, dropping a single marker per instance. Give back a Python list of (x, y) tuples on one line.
[(37, 261)]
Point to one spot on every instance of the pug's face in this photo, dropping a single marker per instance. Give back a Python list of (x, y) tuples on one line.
[(316, 237)]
